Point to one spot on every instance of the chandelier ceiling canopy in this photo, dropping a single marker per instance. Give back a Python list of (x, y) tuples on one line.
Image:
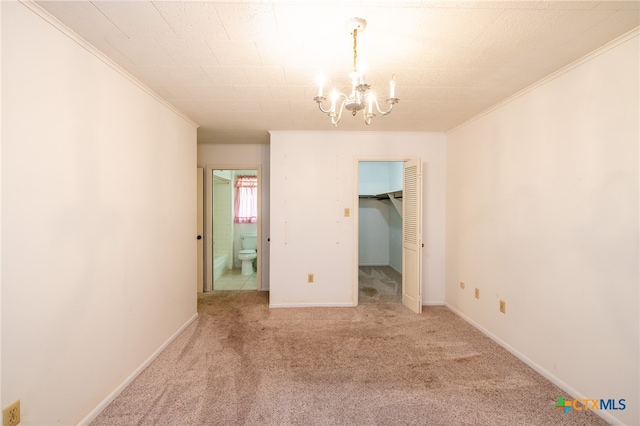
[(361, 96)]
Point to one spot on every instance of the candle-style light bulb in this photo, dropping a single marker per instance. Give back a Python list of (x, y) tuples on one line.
[(320, 82), (392, 86), (361, 70), (372, 99), (334, 100), (354, 76)]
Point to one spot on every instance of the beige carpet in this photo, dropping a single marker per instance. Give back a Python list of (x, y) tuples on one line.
[(241, 363)]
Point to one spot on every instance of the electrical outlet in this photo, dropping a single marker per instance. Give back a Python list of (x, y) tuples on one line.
[(310, 278), (461, 285), (503, 306), (11, 414), (477, 293)]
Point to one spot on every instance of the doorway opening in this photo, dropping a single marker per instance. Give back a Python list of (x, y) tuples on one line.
[(232, 234), (389, 232)]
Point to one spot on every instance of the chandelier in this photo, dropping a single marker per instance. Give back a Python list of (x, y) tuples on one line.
[(361, 96)]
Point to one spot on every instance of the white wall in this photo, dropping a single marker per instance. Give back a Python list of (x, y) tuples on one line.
[(246, 156), (223, 220), (379, 177), (98, 223), (543, 212), (313, 178), (373, 232), (395, 239)]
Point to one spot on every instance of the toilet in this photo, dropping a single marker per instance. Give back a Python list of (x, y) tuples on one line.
[(248, 252)]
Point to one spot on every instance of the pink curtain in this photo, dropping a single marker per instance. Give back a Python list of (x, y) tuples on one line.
[(246, 204)]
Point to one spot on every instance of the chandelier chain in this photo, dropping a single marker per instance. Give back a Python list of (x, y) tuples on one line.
[(355, 50)]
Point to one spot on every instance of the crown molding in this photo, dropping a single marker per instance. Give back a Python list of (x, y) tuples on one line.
[(37, 9), (575, 64)]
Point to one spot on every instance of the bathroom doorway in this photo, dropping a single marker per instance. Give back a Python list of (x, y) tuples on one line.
[(389, 240), (232, 228)]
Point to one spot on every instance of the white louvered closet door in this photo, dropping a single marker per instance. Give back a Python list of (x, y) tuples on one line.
[(412, 236)]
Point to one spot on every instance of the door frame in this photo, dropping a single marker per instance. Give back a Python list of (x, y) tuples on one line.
[(199, 228), (356, 216), (208, 220)]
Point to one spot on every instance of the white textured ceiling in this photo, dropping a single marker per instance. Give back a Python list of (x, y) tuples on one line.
[(241, 68)]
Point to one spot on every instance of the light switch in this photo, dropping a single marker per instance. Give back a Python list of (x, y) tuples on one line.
[(347, 212)]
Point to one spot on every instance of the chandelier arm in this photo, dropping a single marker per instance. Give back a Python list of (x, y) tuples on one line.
[(320, 99), (391, 102), (327, 111), (336, 118)]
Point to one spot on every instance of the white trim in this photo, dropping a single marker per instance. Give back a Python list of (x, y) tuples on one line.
[(612, 44), (355, 217), (1, 133), (434, 303), (356, 220), (539, 369), (311, 305), (207, 229), (37, 9), (208, 222), (109, 399)]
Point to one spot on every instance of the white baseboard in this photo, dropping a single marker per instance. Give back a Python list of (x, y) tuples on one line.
[(539, 369), (433, 303), (109, 399)]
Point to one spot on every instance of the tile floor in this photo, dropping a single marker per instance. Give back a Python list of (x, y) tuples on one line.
[(233, 280)]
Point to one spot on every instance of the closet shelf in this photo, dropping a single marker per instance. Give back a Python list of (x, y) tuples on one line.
[(395, 197), (384, 195)]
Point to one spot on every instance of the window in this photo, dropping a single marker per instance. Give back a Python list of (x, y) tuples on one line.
[(246, 203)]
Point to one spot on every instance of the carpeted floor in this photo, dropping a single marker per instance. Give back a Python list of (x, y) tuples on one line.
[(241, 363)]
